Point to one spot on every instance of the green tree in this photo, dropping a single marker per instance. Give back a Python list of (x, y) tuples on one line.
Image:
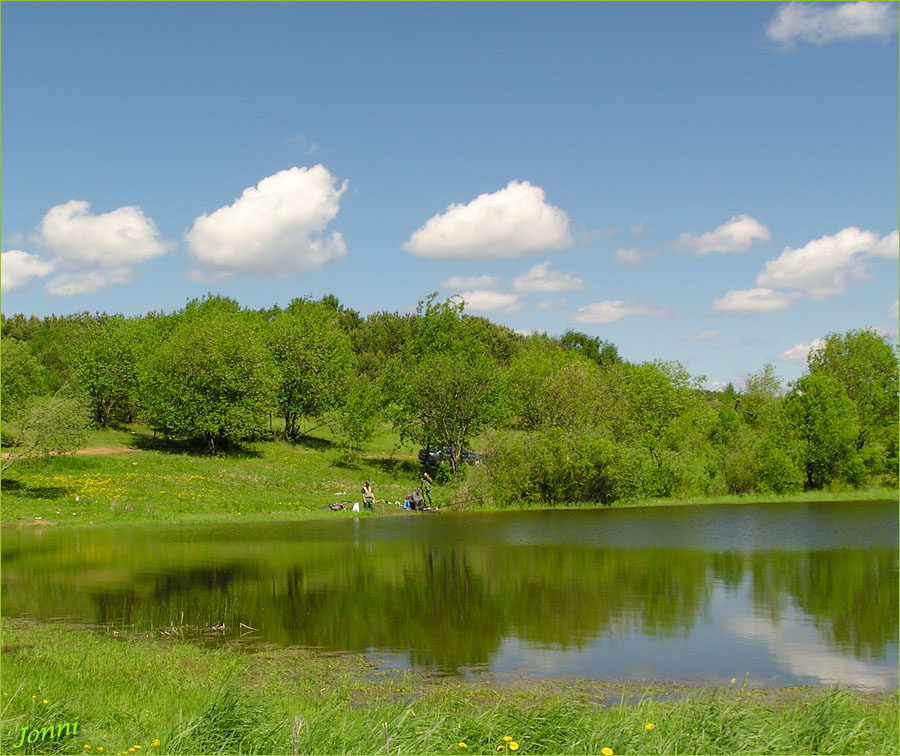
[(355, 420), (212, 377), (604, 353), (21, 377), (444, 388), (826, 423), (107, 367), (314, 359), (50, 425), (865, 364)]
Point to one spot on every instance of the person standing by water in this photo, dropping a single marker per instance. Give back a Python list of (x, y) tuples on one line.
[(426, 489), (368, 497)]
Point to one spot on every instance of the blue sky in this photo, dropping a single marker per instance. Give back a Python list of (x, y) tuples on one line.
[(715, 183)]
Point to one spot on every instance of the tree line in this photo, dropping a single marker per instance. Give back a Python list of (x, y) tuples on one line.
[(559, 419)]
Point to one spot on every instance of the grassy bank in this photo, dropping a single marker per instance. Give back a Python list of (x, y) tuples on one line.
[(140, 479), (131, 692)]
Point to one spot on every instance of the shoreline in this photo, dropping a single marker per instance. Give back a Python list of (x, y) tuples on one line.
[(390, 510)]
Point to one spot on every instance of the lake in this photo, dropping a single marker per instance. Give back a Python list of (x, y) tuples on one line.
[(786, 593)]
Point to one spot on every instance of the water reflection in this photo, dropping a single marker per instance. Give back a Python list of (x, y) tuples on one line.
[(787, 594)]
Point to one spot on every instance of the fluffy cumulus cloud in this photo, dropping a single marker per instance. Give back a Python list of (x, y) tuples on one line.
[(737, 235), (507, 224), (97, 250), (888, 247), (540, 279), (825, 266), (754, 301), (472, 282), (614, 310), (483, 300), (18, 269), (274, 228), (74, 236), (800, 351), (819, 24)]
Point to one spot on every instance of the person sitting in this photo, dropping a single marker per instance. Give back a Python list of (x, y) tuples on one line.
[(417, 500)]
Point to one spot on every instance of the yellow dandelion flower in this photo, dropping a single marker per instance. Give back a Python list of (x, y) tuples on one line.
[(462, 745), (514, 746), (155, 742), (606, 751), (507, 738), (33, 697), (131, 750), (649, 725), (85, 746), (45, 702), (137, 748), (500, 748), (99, 748)]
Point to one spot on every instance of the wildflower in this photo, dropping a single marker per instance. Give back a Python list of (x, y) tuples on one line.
[(462, 745), (155, 742), (137, 748), (45, 702), (649, 725), (606, 751), (514, 746), (33, 697), (131, 750), (507, 738), (500, 747), (99, 748), (85, 746)]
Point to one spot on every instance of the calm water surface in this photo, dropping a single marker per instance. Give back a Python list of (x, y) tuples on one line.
[(785, 593)]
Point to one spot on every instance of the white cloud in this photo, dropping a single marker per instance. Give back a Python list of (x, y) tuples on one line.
[(69, 284), (634, 256), (96, 250), (888, 247), (737, 235), (753, 301), (613, 310), (894, 310), (274, 228), (18, 269), (824, 267), (507, 224), (540, 279), (550, 304), (800, 351), (704, 336), (483, 300), (819, 24), (77, 239), (716, 385), (472, 282)]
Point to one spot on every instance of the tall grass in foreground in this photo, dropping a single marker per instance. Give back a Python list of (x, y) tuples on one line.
[(175, 697)]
